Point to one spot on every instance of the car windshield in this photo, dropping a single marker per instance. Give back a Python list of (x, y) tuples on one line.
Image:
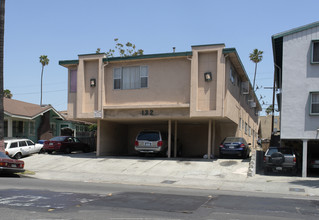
[(232, 140), (148, 136), (281, 150), (58, 139), (3, 155)]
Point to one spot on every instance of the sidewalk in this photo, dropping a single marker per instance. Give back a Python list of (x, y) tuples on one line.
[(220, 174)]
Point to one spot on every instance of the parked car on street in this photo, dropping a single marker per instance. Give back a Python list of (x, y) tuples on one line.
[(234, 146), (278, 159), (65, 144), (8, 165), (17, 148), (154, 142)]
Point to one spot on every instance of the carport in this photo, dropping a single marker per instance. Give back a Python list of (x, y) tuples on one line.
[(196, 138)]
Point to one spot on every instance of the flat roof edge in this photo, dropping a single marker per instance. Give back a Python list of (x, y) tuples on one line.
[(149, 56)]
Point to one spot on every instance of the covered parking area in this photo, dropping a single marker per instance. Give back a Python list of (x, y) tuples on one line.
[(306, 152), (192, 138)]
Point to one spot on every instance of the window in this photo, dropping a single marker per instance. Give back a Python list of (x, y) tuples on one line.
[(133, 77), (246, 128), (315, 52), (18, 128), (14, 145), (22, 144), (249, 131), (31, 128), (30, 143), (314, 103), (239, 124), (232, 75), (73, 80)]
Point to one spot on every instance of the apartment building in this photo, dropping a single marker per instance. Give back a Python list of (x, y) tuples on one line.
[(199, 97), (296, 60)]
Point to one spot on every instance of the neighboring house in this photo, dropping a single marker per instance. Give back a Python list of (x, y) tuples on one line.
[(200, 97), (296, 60), (22, 119), (265, 131), (77, 128)]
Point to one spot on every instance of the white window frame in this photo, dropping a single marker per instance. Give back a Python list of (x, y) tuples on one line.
[(118, 74), (312, 102)]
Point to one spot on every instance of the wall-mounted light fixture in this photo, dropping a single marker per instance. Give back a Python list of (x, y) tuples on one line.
[(92, 82), (208, 76)]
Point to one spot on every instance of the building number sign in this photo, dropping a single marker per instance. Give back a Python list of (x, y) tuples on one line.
[(147, 112)]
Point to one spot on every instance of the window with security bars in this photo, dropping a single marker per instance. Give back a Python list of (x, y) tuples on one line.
[(133, 77), (314, 103)]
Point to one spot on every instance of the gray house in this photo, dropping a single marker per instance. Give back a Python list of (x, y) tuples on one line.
[(296, 60)]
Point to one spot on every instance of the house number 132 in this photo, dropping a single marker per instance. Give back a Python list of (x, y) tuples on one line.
[(147, 112)]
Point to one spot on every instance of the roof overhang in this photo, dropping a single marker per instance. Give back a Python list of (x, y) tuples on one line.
[(59, 116)]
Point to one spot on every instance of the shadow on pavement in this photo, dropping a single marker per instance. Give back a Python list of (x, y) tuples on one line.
[(11, 175), (307, 183)]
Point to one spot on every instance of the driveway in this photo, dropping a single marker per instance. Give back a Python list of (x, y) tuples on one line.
[(88, 167)]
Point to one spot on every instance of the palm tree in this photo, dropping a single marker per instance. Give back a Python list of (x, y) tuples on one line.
[(2, 10), (256, 56), (44, 60)]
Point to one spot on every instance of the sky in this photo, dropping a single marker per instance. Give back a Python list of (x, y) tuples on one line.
[(63, 29)]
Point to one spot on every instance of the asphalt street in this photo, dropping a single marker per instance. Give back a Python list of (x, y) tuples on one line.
[(28, 198)]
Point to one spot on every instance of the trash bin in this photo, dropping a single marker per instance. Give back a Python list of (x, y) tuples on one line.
[(259, 161)]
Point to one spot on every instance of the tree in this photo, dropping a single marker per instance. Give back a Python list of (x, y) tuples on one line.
[(44, 60), (2, 10), (269, 109), (256, 56), (126, 50), (7, 94)]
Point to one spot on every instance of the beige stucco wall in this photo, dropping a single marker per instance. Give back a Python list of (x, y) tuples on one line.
[(111, 138), (206, 98), (207, 62), (168, 83), (237, 107), (90, 94)]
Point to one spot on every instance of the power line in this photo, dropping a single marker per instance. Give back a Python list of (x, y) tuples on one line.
[(32, 93)]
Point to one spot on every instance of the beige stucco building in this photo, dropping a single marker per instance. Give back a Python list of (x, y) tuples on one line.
[(200, 96)]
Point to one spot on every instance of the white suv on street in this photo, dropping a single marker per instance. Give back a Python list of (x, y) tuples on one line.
[(17, 148)]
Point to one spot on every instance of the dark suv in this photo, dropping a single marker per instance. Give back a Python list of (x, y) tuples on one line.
[(280, 159)]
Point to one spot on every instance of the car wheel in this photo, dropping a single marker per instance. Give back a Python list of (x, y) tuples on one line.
[(18, 156), (86, 150), (49, 152), (41, 151)]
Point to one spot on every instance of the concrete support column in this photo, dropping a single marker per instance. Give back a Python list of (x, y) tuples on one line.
[(169, 138), (10, 129), (175, 139), (209, 145), (304, 157), (213, 139)]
